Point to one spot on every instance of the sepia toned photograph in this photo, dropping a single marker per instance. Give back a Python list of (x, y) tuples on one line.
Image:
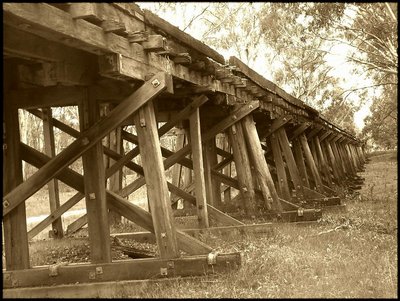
[(186, 150)]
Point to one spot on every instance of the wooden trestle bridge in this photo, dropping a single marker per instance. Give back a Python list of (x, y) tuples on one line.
[(289, 160)]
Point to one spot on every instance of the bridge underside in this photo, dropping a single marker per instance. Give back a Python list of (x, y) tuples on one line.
[(244, 148)]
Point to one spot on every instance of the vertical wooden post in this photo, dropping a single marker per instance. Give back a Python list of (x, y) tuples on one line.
[(198, 168), (49, 147), (210, 160), (351, 157), (324, 167), (14, 223), (332, 160), (310, 162), (243, 168), (186, 172), (260, 165), (360, 154), (298, 156), (114, 142), (227, 169), (177, 169), (115, 181), (345, 158), (314, 152), (338, 159), (156, 181), (283, 186), (95, 187), (291, 163), (355, 156)]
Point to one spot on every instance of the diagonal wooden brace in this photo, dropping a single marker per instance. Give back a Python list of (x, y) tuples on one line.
[(89, 138), (115, 202)]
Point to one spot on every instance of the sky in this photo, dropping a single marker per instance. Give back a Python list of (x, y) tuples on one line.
[(342, 68)]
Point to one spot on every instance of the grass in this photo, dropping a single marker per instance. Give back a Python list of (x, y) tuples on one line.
[(357, 260)]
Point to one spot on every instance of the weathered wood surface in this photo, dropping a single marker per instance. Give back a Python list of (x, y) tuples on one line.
[(243, 167), (88, 139), (116, 202), (49, 145), (122, 270), (198, 168), (95, 190), (16, 248), (260, 165), (157, 190)]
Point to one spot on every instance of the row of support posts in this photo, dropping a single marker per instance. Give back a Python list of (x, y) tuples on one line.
[(302, 165)]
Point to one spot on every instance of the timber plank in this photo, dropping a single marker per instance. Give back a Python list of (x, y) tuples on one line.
[(49, 146), (243, 168), (260, 165), (145, 268), (16, 247), (283, 187), (157, 190), (95, 189), (198, 167)]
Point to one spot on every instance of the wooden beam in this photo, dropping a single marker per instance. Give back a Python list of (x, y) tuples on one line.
[(55, 215), (323, 162), (298, 130), (145, 268), (310, 162), (332, 160), (283, 186), (212, 186), (95, 190), (116, 202), (260, 165), (298, 156), (16, 247), (47, 96), (88, 139), (277, 124), (49, 146), (115, 182), (243, 168), (157, 190), (198, 167), (235, 116), (291, 163)]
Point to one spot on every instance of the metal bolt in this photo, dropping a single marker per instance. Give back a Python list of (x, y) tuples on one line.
[(163, 234), (99, 270), (234, 117), (6, 204), (92, 196), (250, 106), (155, 83), (163, 271), (85, 141), (92, 275), (4, 146)]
